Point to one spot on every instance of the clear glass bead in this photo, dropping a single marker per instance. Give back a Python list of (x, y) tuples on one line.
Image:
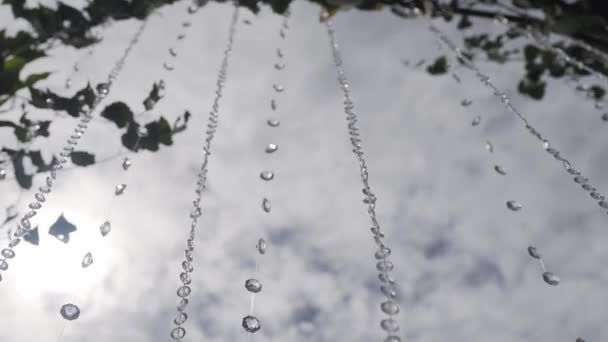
[(45, 189), (103, 89), (87, 260), (183, 303), (476, 121), (69, 312), (514, 206), (389, 325), (180, 318), (253, 285), (266, 206), (251, 324), (185, 278), (273, 123), (188, 255), (105, 228), (126, 164), (278, 88), (382, 253), (389, 307), (178, 333), (500, 170), (533, 252), (30, 214), (551, 278), (385, 266), (35, 205), (120, 189), (389, 291), (271, 148), (39, 197), (261, 246), (187, 266), (386, 278), (8, 253), (14, 242), (183, 291), (267, 175)]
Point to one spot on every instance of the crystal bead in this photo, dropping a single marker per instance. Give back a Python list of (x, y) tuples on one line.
[(572, 171), (2, 174), (514, 206), (183, 303), (466, 102), (187, 266), (386, 278), (25, 223), (376, 231), (597, 196), (278, 88), (605, 117), (185, 278), (267, 175), (192, 9), (273, 123), (188, 254), (476, 121), (500, 170), (271, 148), (45, 189), (389, 307), (126, 164), (14, 242), (178, 333), (382, 253), (266, 205), (546, 144), (69, 312), (253, 285), (273, 104), (35, 205), (551, 278), (389, 325), (87, 260), (49, 182), (8, 253), (384, 266), (580, 179), (392, 338), (279, 66), (105, 228), (120, 189), (196, 213), (251, 324), (603, 204), (103, 89), (261, 246), (168, 66), (30, 214), (3, 265), (533, 252), (173, 52), (180, 318), (183, 291), (39, 197), (388, 291)]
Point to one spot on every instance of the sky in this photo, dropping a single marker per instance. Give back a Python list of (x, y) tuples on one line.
[(463, 273)]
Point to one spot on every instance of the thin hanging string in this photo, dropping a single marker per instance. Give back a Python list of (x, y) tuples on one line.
[(384, 265), (184, 290), (578, 177), (106, 226), (549, 277), (86, 114), (251, 323)]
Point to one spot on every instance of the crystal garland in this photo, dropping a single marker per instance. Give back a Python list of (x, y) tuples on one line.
[(87, 114), (76, 66), (184, 290), (506, 101), (549, 277), (384, 265), (250, 322)]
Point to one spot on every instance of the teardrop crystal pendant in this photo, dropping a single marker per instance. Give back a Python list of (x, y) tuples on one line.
[(551, 278), (87, 260), (120, 189), (69, 312), (267, 175), (126, 163), (253, 285), (251, 324), (105, 228), (273, 123), (514, 206), (266, 206), (271, 148), (261, 246)]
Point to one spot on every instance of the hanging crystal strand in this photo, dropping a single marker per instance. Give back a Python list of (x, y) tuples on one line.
[(549, 277), (578, 177), (86, 115), (184, 290), (384, 265)]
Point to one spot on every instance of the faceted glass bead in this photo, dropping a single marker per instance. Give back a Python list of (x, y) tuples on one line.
[(188, 254), (185, 278), (35, 205), (597, 196), (279, 66), (120, 189), (389, 325), (273, 123), (87, 260), (267, 175), (8, 253), (178, 333), (187, 266), (382, 253), (103, 89), (603, 204), (551, 278), (253, 285), (126, 164), (266, 205), (183, 303), (25, 223), (388, 291), (3, 265), (476, 121), (183, 291), (533, 252), (466, 102), (580, 179), (69, 312), (180, 318), (105, 228), (49, 182), (2, 174), (14, 242), (271, 148), (386, 278), (45, 189), (500, 170), (389, 307), (392, 338), (261, 246), (385, 266), (273, 104), (514, 206), (168, 66), (251, 324), (39, 197), (278, 88)]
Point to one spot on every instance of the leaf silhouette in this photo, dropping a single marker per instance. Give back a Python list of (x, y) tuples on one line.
[(82, 158), (439, 67), (32, 236), (62, 229), (119, 113)]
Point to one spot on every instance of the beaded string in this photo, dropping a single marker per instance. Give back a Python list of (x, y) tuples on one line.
[(549, 277), (578, 177), (178, 332), (250, 322), (81, 128), (384, 265)]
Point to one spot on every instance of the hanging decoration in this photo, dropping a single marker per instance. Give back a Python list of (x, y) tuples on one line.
[(383, 265), (98, 36), (184, 290), (86, 112), (578, 177)]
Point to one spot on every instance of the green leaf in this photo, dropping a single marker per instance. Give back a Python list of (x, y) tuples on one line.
[(33, 78), (14, 64)]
